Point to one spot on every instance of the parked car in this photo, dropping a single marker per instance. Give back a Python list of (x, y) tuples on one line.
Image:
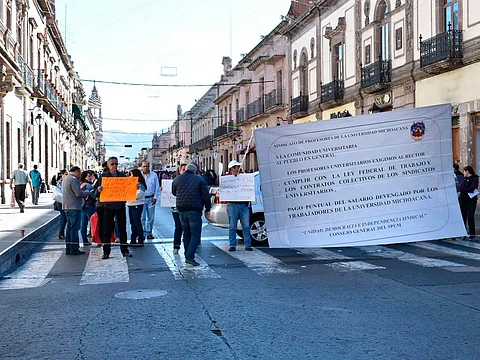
[(219, 217)]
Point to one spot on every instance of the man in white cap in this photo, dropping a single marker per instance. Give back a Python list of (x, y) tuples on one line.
[(191, 193), (238, 210)]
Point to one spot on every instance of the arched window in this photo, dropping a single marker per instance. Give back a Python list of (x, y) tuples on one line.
[(383, 30), (303, 68)]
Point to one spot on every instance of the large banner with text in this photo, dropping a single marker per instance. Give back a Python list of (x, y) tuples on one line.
[(367, 180)]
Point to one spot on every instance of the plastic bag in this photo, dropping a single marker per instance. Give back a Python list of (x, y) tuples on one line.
[(57, 195), (95, 227), (12, 202)]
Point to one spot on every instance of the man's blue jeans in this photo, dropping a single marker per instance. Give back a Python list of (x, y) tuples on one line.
[(63, 221), (192, 231), (148, 216), (235, 212), (73, 226)]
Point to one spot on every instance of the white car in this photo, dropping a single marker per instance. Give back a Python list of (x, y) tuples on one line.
[(219, 217)]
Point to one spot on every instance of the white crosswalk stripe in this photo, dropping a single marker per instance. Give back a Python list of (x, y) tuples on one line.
[(448, 251), (388, 253), (35, 271), (180, 270), (344, 266), (111, 270), (256, 260)]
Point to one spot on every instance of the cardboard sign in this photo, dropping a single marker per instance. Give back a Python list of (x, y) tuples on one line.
[(167, 198), (119, 189)]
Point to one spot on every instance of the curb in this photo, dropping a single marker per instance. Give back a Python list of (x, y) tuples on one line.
[(21, 249)]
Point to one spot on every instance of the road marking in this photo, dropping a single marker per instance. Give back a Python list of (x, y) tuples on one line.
[(256, 260), (388, 253), (466, 243), (326, 255), (98, 271), (161, 240), (345, 266), (34, 272), (181, 270), (449, 251)]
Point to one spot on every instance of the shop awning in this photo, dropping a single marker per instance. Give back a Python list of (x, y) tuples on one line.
[(78, 114)]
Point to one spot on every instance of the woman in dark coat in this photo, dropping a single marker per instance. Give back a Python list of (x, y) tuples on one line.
[(468, 203)]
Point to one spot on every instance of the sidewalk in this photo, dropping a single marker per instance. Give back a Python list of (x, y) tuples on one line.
[(39, 222)]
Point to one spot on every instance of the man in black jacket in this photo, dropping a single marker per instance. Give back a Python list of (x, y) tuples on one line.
[(191, 194), (107, 212)]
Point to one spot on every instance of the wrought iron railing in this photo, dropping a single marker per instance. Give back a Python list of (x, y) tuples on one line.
[(40, 81), (240, 115), (444, 46), (332, 91), (201, 144), (28, 76), (274, 98), (378, 73), (299, 104), (255, 108), (224, 129)]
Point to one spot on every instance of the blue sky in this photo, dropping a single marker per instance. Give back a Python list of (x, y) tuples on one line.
[(135, 41)]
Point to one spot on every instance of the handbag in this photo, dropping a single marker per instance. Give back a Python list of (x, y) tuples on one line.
[(57, 195), (12, 201)]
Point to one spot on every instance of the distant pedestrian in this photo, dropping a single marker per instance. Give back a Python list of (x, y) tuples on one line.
[(63, 216), (192, 196), (151, 195), (177, 234), (72, 205), (135, 210), (107, 211), (20, 179), (36, 179), (238, 210), (468, 198)]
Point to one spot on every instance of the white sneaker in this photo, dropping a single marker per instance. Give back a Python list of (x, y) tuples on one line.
[(175, 251)]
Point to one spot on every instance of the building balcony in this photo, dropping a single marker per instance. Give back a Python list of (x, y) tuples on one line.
[(202, 144), (274, 99), (223, 130), (441, 52), (333, 91), (255, 108), (376, 76), (39, 86), (240, 115), (299, 105)]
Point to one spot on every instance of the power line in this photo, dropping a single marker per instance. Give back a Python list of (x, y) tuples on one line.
[(171, 85)]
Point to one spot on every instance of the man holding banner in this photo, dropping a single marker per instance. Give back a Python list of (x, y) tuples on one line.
[(238, 210), (112, 197)]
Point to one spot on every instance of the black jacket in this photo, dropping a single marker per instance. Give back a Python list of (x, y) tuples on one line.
[(191, 192)]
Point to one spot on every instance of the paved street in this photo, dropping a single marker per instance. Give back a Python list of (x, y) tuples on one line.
[(407, 301)]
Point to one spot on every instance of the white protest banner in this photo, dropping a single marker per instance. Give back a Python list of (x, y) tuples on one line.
[(167, 198), (237, 188), (375, 179)]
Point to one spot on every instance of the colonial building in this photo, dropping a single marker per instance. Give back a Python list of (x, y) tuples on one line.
[(41, 97)]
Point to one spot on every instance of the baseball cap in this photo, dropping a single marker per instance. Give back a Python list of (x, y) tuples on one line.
[(233, 163)]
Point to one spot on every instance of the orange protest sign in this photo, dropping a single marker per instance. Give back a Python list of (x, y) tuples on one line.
[(118, 189)]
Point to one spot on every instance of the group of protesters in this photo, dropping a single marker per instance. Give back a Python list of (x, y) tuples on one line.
[(80, 204)]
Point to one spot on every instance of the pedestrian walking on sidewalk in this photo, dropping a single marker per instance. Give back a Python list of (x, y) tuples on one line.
[(468, 190), (191, 193), (109, 211), (151, 195), (20, 179), (36, 179), (238, 210), (135, 210), (63, 216), (72, 205)]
